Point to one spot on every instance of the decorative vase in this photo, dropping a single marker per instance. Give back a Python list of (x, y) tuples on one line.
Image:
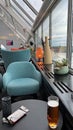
[(47, 52)]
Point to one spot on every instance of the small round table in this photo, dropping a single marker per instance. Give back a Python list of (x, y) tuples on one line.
[(36, 118)]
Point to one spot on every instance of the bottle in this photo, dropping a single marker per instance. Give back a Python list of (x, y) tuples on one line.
[(47, 52)]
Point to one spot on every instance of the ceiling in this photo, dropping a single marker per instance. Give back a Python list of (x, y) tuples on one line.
[(20, 15)]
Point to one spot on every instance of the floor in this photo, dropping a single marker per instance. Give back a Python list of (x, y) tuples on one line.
[(15, 99)]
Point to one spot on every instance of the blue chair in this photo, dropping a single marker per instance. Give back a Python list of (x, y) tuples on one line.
[(13, 56), (21, 78)]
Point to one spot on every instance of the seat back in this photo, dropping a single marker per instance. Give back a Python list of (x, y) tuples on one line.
[(23, 69), (13, 56)]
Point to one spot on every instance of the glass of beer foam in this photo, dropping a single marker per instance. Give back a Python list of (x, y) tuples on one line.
[(53, 111)]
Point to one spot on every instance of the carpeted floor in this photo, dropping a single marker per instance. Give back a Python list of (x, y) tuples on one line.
[(15, 99)]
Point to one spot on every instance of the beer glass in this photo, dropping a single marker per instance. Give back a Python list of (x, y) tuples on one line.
[(53, 111)]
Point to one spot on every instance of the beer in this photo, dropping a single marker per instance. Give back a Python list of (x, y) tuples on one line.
[(53, 112)]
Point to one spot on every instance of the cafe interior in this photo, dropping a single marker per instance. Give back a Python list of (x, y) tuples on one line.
[(36, 62)]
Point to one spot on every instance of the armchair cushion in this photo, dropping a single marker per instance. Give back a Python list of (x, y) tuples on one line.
[(22, 86)]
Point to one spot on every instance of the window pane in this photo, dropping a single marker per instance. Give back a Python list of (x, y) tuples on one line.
[(26, 8), (39, 35), (19, 10), (1, 12), (38, 4), (46, 28), (59, 29), (18, 27), (8, 18), (36, 37)]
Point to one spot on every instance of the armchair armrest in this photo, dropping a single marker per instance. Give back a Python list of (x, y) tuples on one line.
[(6, 78), (38, 76)]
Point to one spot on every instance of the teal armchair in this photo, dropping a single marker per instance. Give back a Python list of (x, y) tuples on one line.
[(13, 56), (21, 78)]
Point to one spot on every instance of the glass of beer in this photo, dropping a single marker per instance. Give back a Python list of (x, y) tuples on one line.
[(53, 111)]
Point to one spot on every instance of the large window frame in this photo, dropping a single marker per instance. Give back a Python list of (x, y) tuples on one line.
[(69, 34), (69, 28), (59, 29)]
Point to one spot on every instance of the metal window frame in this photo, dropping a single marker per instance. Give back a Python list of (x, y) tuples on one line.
[(16, 3), (69, 33), (47, 5), (31, 7), (69, 27), (6, 11), (7, 2), (13, 28), (20, 15)]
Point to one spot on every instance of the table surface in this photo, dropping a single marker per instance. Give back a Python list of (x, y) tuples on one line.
[(36, 118)]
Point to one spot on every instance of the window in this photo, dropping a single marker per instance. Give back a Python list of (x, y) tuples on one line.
[(39, 35), (21, 12), (46, 28), (59, 29), (36, 37), (38, 4)]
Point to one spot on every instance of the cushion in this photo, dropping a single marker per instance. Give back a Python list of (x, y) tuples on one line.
[(22, 86)]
